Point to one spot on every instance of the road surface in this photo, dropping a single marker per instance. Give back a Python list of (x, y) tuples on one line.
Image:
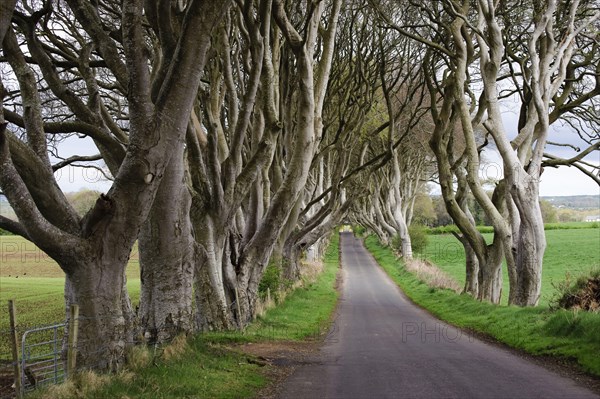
[(383, 346)]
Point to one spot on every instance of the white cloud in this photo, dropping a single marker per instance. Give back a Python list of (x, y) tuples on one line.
[(567, 181), (71, 179)]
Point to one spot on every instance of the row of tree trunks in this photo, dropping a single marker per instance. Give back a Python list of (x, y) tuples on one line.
[(236, 221)]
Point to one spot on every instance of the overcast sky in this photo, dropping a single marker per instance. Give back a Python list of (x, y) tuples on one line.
[(564, 180), (554, 181)]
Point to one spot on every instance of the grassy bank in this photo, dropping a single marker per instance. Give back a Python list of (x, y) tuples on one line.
[(538, 331), (205, 366)]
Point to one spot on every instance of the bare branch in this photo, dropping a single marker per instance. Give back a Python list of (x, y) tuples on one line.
[(554, 161), (6, 10), (77, 158), (13, 227), (47, 236), (564, 145)]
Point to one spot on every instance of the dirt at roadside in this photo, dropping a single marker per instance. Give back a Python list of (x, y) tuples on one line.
[(280, 358)]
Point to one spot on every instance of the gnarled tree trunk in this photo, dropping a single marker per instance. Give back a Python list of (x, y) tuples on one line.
[(490, 273), (166, 249), (214, 311), (107, 326), (531, 244), (94, 255)]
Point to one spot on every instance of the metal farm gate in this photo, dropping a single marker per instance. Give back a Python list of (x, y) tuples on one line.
[(42, 361)]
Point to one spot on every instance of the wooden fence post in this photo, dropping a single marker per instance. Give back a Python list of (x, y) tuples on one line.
[(72, 342), (239, 310), (12, 311)]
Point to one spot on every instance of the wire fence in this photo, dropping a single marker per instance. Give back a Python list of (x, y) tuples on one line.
[(40, 358), (33, 356)]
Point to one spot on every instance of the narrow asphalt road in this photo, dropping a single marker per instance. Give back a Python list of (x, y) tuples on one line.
[(383, 346)]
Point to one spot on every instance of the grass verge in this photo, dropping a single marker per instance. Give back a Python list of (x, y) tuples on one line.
[(304, 314), (207, 366), (539, 331)]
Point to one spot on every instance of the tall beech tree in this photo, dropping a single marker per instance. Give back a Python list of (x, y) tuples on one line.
[(93, 251)]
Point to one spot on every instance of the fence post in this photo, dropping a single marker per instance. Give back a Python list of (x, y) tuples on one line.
[(72, 342), (14, 340), (239, 310)]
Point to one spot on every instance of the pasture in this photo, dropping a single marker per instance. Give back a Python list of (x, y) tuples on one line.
[(569, 253), (36, 283)]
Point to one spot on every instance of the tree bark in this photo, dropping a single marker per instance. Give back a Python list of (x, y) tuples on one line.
[(471, 260), (213, 310), (106, 320), (490, 273), (166, 250), (471, 271), (531, 244), (290, 261)]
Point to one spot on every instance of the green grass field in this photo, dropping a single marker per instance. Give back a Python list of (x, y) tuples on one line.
[(489, 229), (569, 252), (36, 283)]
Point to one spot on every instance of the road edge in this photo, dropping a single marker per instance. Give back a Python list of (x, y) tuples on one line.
[(564, 367)]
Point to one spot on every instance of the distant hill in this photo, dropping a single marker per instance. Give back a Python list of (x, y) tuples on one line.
[(578, 202)]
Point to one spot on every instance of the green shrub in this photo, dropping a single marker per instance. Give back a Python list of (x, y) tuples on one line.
[(359, 231), (271, 279), (418, 238), (582, 293), (447, 229)]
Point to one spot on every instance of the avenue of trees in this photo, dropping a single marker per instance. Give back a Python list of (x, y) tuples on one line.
[(238, 134)]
